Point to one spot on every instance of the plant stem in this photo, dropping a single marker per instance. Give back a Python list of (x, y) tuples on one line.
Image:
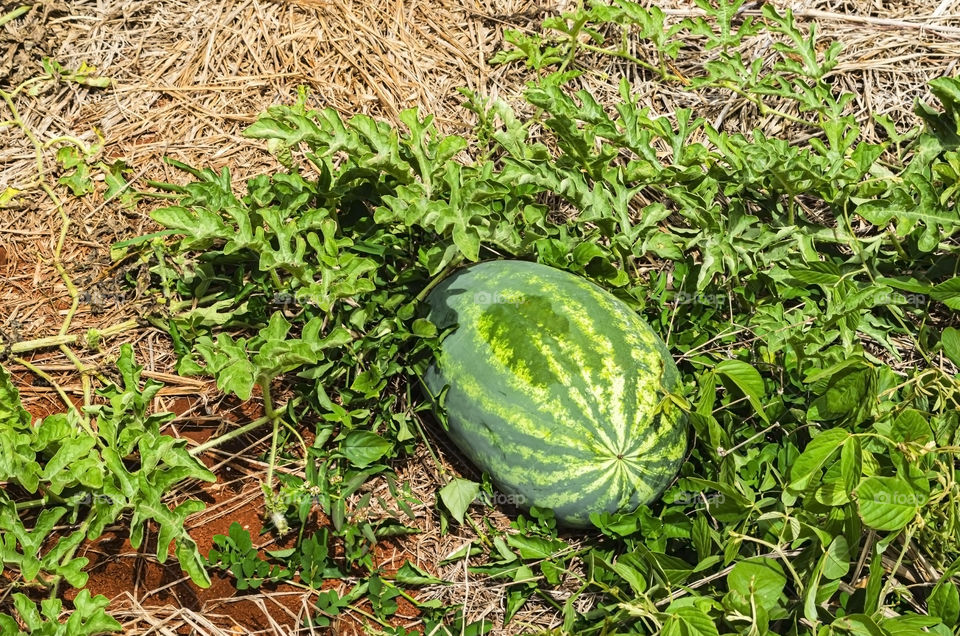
[(63, 339), (84, 420), (38, 148), (623, 55), (226, 437), (762, 106), (452, 265), (84, 380), (66, 139), (46, 377), (272, 416), (574, 42), (237, 432), (891, 580)]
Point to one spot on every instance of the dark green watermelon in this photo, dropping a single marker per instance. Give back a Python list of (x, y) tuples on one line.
[(556, 389)]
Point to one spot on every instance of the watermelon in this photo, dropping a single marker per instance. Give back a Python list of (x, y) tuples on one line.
[(555, 388)]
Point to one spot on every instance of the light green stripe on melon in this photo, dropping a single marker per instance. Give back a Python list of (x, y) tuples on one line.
[(552, 453), (568, 409), (565, 363), (615, 487), (515, 408)]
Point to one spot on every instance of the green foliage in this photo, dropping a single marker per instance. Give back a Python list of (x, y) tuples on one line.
[(235, 553), (87, 619), (806, 284), (86, 480)]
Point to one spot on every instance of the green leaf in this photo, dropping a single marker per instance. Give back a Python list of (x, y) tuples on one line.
[(903, 208), (410, 574), (851, 463), (911, 426), (837, 561), (227, 359), (760, 577), (367, 382), (688, 620), (950, 339), (535, 547), (458, 495), (850, 394), (12, 413), (748, 380), (88, 618), (363, 448), (887, 503), (948, 293), (944, 602), (518, 594), (78, 181), (198, 223), (424, 328), (815, 456), (812, 589), (861, 625), (191, 561), (117, 186)]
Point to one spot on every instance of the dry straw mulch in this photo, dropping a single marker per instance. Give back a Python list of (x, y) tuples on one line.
[(188, 76)]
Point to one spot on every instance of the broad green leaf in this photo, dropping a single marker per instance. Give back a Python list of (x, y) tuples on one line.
[(227, 359), (761, 577), (368, 382), (288, 127), (850, 394), (12, 413), (944, 602), (817, 275), (518, 594), (27, 610), (887, 503), (860, 625), (363, 448), (851, 463), (78, 180), (837, 561), (948, 293), (673, 570), (424, 328), (114, 175), (902, 208), (627, 569), (911, 426), (535, 547), (748, 380), (688, 620), (815, 456), (832, 490), (458, 495), (410, 574), (90, 616), (198, 223), (950, 339)]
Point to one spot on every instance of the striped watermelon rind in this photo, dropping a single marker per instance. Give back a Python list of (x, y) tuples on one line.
[(555, 388)]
